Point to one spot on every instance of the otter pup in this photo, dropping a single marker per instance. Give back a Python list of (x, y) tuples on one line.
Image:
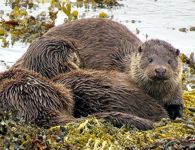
[(50, 56), (36, 99), (112, 96), (107, 45)]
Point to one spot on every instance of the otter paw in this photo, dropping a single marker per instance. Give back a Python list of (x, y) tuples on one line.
[(175, 110)]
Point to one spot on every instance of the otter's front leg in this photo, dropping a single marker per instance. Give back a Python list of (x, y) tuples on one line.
[(119, 119), (175, 106), (174, 111)]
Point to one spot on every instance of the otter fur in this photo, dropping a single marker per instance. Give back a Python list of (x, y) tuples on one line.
[(102, 43), (107, 45), (157, 69), (36, 99), (50, 56), (112, 96)]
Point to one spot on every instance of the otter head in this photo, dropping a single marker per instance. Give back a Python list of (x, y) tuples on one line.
[(73, 62), (156, 66), (60, 56), (50, 56), (159, 60)]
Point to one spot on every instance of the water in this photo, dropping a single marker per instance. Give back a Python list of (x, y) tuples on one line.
[(157, 19)]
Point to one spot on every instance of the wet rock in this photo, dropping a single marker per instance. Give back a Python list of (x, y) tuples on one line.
[(137, 31), (192, 29), (132, 21), (183, 29)]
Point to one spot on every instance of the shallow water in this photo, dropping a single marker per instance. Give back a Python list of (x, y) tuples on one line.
[(156, 19)]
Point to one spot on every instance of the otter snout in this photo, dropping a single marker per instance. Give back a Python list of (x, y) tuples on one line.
[(160, 72)]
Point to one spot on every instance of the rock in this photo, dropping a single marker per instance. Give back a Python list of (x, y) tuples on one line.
[(192, 28), (183, 29)]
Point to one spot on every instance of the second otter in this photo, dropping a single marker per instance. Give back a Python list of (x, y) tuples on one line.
[(40, 101), (112, 96)]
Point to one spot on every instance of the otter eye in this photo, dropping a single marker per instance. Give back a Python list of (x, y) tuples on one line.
[(169, 61), (150, 60)]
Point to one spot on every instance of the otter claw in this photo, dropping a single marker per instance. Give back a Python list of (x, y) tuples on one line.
[(174, 111)]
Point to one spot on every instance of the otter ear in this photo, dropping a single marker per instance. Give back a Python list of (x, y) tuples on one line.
[(177, 52), (140, 49)]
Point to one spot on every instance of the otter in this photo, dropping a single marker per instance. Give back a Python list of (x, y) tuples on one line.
[(107, 45), (103, 44), (111, 95), (157, 69), (50, 56), (101, 41), (40, 101), (36, 99)]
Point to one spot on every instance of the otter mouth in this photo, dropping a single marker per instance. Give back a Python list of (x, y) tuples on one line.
[(159, 79)]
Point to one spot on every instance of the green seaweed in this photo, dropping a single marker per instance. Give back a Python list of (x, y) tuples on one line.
[(22, 26), (91, 133)]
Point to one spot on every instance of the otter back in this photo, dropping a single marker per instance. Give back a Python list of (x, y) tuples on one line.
[(36, 99), (104, 43), (108, 95), (50, 56)]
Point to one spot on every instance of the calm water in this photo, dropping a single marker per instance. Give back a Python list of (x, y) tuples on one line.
[(160, 19)]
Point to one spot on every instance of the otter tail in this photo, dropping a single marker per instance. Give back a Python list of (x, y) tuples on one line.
[(119, 119), (49, 118)]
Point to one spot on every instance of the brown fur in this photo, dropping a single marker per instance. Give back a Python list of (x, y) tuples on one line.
[(112, 96), (108, 45), (103, 43), (36, 99), (50, 56), (166, 89)]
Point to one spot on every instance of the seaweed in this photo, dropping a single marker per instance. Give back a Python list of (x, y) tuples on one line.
[(21, 25), (91, 133), (86, 133)]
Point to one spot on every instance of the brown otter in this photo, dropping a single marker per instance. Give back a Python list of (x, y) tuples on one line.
[(157, 69), (40, 101), (50, 56), (101, 41), (112, 96), (36, 99), (105, 44), (154, 65)]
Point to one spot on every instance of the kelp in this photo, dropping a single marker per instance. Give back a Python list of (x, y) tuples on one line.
[(91, 133), (192, 28), (188, 77), (189, 61), (21, 25)]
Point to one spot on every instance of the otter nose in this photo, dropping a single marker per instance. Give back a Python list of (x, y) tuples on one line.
[(160, 72)]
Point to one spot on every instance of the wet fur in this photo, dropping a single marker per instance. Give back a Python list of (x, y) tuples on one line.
[(36, 99), (167, 92), (108, 45), (50, 56), (105, 44), (102, 43), (109, 95)]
